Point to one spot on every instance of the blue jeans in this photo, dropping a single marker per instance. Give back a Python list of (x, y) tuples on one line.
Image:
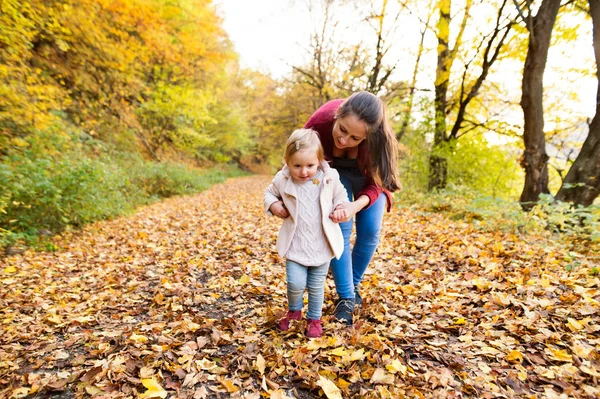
[(348, 271), (298, 279)]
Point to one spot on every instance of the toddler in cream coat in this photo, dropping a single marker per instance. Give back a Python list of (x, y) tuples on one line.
[(306, 194)]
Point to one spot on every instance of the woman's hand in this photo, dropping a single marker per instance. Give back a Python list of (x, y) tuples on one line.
[(279, 210)]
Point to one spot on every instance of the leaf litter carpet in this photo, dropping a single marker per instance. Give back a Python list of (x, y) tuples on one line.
[(180, 301)]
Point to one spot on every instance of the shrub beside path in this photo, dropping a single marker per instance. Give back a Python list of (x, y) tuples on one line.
[(180, 299)]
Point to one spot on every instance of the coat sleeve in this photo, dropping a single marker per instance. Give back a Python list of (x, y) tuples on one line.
[(272, 193)]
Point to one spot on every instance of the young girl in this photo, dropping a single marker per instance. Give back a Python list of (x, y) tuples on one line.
[(306, 193)]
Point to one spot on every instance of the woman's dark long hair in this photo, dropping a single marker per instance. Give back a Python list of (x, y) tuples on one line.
[(381, 140)]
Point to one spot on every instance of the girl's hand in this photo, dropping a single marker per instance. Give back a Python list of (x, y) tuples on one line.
[(339, 214), (350, 209), (279, 210)]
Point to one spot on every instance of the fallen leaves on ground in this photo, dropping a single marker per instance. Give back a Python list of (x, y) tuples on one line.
[(181, 299)]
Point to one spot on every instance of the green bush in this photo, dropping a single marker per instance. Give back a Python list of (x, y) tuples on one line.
[(52, 185)]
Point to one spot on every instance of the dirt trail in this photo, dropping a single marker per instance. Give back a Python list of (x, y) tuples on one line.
[(179, 300)]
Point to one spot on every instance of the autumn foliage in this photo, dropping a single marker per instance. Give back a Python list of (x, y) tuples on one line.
[(181, 299)]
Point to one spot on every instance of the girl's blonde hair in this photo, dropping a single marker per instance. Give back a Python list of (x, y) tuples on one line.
[(303, 139)]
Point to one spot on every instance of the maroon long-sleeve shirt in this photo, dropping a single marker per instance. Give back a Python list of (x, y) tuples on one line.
[(322, 122)]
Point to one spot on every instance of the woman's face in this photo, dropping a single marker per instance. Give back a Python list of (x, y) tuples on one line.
[(349, 131)]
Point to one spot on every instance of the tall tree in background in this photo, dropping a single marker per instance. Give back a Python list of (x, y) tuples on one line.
[(379, 72), (438, 165), (535, 159), (487, 51), (337, 68), (582, 184), (323, 51)]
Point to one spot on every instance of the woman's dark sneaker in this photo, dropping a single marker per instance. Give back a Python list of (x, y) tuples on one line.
[(343, 311), (357, 298)]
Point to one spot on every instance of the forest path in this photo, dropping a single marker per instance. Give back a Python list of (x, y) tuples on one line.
[(180, 300)]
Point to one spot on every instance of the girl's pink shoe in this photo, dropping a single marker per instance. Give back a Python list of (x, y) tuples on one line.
[(284, 324), (314, 329)]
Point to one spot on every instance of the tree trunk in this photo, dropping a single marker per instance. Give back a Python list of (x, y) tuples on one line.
[(438, 172), (438, 165), (581, 186), (535, 159)]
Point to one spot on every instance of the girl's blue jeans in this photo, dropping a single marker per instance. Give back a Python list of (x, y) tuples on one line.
[(348, 271), (301, 277)]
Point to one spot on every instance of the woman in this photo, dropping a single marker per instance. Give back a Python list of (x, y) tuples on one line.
[(360, 144)]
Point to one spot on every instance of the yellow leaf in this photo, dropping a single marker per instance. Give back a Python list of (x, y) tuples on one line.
[(56, 319), (320, 343), (591, 371), (279, 394), (228, 385), (140, 339), (498, 248), (358, 355), (460, 321), (501, 299), (396, 366), (482, 284), (381, 377), (91, 390), (484, 367), (10, 269), (154, 390), (514, 357), (561, 355), (582, 351), (260, 364), (159, 298), (331, 390), (19, 393), (342, 383), (408, 289), (244, 280), (339, 351), (574, 325)]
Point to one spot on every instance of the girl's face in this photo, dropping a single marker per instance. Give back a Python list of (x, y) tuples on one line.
[(349, 131), (303, 165)]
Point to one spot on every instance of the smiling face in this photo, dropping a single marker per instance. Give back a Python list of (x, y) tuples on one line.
[(349, 131), (303, 165)]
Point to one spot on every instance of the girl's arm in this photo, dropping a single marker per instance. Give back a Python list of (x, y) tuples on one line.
[(273, 203)]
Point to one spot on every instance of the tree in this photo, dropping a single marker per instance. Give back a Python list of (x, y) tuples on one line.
[(324, 53), (581, 186), (455, 103), (535, 159), (337, 68)]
